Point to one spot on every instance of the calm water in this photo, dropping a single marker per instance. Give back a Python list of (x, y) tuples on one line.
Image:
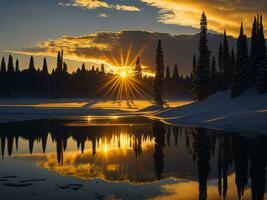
[(128, 158)]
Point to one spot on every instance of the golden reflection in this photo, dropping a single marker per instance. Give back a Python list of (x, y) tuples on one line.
[(189, 190)]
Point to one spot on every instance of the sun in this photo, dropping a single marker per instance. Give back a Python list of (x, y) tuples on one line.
[(123, 74)]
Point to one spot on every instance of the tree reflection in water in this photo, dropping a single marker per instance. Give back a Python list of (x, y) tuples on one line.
[(246, 157)]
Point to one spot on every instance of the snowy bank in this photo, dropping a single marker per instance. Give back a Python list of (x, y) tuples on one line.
[(19, 109), (246, 113)]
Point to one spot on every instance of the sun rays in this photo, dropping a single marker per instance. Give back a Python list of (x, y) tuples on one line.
[(123, 84)]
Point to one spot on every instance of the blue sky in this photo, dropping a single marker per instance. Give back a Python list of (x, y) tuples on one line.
[(26, 23)]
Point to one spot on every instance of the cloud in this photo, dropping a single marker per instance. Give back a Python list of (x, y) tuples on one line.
[(94, 4), (127, 8), (222, 14), (123, 48), (102, 15)]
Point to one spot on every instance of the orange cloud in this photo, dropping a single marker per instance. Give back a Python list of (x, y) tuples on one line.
[(94, 4), (226, 14)]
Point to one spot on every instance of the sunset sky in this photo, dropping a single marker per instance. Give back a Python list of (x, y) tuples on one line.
[(41, 27)]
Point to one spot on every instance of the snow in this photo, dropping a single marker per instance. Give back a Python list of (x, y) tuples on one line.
[(20, 109), (246, 113)]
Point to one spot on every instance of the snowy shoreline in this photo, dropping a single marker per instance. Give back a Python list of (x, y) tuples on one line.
[(246, 114), (23, 109)]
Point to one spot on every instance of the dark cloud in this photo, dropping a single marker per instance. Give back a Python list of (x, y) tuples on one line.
[(122, 48)]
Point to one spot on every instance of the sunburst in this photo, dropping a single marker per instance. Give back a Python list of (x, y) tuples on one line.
[(124, 85)]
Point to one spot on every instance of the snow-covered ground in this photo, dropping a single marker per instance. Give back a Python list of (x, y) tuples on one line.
[(27, 108), (246, 113)]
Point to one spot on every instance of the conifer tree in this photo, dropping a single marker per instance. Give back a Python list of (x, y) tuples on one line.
[(31, 64), (45, 68), (261, 72), (261, 53), (84, 69), (59, 62), (262, 77), (253, 61), (213, 78), (3, 78), (201, 73), (138, 68), (167, 74), (240, 75), (194, 78), (175, 74), (159, 76), (10, 65), (102, 68), (220, 66), (44, 80), (17, 66), (233, 60), (16, 78), (10, 76), (227, 68), (3, 65), (65, 68)]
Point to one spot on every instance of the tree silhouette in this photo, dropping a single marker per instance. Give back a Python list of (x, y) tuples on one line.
[(213, 77), (227, 67), (240, 76), (201, 73), (138, 68), (159, 76)]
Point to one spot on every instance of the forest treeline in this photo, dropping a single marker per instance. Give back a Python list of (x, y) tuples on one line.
[(82, 83), (235, 71)]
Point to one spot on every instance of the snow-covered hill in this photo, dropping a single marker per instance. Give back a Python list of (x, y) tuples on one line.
[(246, 113)]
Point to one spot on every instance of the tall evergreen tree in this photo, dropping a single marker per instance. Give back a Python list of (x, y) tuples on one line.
[(194, 79), (254, 50), (261, 52), (213, 77), (201, 74), (31, 64), (220, 66), (10, 76), (227, 68), (10, 65), (240, 75), (167, 74), (138, 68), (3, 65), (45, 67), (102, 68), (262, 77), (262, 59), (233, 59), (44, 80), (16, 78), (175, 74), (17, 66), (65, 68), (159, 76), (59, 62), (3, 78)]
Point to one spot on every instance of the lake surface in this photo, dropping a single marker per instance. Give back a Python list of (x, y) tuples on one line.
[(128, 158)]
